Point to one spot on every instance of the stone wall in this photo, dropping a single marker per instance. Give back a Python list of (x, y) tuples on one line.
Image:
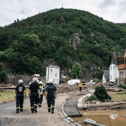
[(14, 79)]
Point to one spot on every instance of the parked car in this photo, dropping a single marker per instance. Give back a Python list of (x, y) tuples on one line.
[(76, 84), (83, 83), (111, 83)]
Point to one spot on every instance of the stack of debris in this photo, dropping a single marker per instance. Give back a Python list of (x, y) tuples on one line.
[(64, 88)]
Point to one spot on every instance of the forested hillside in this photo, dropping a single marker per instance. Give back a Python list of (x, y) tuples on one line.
[(65, 35)]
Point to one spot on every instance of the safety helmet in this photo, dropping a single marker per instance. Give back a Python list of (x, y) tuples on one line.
[(50, 81), (35, 79), (40, 82), (20, 81)]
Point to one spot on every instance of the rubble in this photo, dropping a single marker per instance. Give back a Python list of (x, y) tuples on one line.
[(64, 88)]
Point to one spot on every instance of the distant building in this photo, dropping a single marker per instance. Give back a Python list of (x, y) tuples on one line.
[(105, 76), (122, 68), (53, 72), (113, 66)]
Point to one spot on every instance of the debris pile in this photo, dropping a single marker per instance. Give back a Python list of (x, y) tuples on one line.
[(7, 85), (64, 88)]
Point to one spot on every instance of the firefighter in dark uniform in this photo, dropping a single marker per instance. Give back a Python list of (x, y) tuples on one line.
[(33, 94), (20, 94), (41, 88), (50, 95)]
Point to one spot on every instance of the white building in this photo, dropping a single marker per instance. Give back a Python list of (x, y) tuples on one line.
[(113, 66), (105, 76), (53, 72)]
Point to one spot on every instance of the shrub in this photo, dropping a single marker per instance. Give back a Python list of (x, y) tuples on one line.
[(101, 93), (67, 79), (122, 86), (93, 97), (95, 80), (3, 73)]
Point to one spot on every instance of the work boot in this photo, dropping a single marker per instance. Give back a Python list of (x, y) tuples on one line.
[(52, 112), (32, 111), (21, 110), (48, 110), (35, 110), (17, 111)]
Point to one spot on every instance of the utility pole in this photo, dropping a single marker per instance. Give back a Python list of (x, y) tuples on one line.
[(62, 5)]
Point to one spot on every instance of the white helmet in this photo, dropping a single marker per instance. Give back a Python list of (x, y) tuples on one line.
[(50, 81), (35, 79), (40, 82), (20, 81)]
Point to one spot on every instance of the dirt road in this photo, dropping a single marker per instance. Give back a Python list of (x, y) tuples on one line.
[(9, 117)]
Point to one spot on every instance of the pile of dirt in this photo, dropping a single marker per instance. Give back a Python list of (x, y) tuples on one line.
[(109, 88), (64, 88), (7, 85), (1, 89)]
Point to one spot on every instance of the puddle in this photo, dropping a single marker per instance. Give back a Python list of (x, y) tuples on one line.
[(108, 117)]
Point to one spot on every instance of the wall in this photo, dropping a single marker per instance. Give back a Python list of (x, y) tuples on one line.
[(14, 79)]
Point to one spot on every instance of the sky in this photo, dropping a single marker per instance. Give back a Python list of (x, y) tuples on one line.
[(110, 10)]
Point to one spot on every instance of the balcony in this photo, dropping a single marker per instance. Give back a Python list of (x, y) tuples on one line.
[(122, 66)]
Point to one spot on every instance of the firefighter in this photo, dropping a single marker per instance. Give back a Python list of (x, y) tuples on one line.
[(41, 88), (80, 86), (50, 95), (33, 94), (20, 92)]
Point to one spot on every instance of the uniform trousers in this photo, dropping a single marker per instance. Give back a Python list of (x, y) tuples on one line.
[(34, 101), (19, 103), (51, 103)]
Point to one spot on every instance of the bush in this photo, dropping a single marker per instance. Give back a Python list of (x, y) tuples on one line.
[(95, 80), (93, 97), (67, 79), (101, 93), (3, 73), (122, 86)]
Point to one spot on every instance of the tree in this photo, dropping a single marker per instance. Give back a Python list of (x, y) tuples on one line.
[(3, 74), (99, 74), (76, 71)]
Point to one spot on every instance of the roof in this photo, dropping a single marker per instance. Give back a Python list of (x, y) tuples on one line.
[(53, 66), (106, 73), (113, 57)]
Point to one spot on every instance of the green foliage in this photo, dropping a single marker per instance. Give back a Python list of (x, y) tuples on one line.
[(98, 74), (91, 98), (3, 74), (47, 36), (76, 71), (101, 94), (122, 86), (67, 79)]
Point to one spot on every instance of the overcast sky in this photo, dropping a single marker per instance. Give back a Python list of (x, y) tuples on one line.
[(111, 10)]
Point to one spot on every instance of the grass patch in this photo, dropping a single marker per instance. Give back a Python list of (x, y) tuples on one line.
[(1, 52), (119, 96), (8, 95)]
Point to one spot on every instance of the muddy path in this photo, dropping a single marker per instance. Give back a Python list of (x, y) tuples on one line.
[(9, 117)]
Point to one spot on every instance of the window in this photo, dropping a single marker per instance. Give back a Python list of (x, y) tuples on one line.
[(110, 77), (110, 67), (121, 73), (121, 62), (55, 74), (113, 67)]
